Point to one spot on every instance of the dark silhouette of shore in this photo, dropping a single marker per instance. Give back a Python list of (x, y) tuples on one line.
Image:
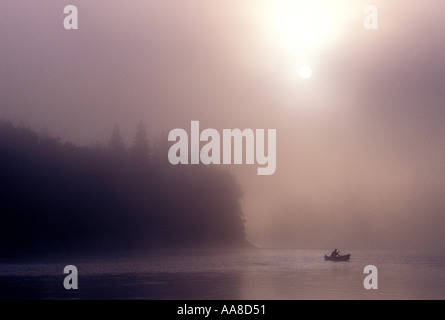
[(59, 197)]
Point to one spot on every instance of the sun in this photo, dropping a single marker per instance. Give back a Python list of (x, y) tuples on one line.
[(305, 72), (295, 33)]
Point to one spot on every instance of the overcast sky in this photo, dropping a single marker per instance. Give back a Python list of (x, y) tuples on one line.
[(361, 144)]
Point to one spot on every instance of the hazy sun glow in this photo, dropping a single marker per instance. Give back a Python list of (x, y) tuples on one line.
[(305, 72), (303, 26)]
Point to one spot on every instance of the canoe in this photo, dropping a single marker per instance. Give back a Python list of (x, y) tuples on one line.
[(339, 258)]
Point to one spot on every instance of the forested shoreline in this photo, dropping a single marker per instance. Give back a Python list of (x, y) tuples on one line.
[(59, 197)]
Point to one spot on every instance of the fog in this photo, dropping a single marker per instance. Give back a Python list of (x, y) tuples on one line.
[(360, 145)]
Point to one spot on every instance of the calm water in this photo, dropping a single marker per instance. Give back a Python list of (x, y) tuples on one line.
[(249, 274)]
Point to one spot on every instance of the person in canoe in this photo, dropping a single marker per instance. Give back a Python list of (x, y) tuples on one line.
[(337, 256), (335, 253)]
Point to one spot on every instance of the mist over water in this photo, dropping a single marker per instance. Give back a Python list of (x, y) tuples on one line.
[(238, 275), (85, 177)]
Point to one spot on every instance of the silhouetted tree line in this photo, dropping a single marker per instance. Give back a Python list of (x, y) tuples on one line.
[(59, 197)]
